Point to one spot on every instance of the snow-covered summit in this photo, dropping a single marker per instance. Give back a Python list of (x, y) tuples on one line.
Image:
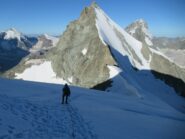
[(139, 29), (12, 33), (140, 23), (13, 39)]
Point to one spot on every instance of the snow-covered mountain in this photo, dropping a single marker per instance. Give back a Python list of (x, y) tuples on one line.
[(13, 47), (139, 30), (45, 42), (167, 61), (12, 34), (36, 57), (172, 48), (96, 52), (12, 39)]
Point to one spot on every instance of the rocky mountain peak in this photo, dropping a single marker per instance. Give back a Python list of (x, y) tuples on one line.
[(141, 23), (94, 50), (139, 30), (80, 56), (88, 12)]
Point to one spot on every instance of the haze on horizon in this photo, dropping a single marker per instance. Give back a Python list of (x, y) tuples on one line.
[(164, 17)]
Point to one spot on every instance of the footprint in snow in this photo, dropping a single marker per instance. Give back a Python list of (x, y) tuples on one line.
[(5, 137), (18, 135), (5, 106)]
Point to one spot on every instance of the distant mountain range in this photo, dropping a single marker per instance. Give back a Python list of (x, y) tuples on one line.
[(14, 46), (169, 43), (95, 52), (173, 48)]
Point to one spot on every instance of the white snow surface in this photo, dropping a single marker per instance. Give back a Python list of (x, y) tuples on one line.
[(132, 31), (70, 79), (40, 73), (84, 51), (34, 110), (113, 71), (148, 41), (54, 39), (107, 33), (12, 34)]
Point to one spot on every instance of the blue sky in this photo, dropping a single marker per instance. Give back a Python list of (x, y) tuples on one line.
[(164, 17)]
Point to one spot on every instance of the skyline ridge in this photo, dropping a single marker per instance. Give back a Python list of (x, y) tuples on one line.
[(55, 20)]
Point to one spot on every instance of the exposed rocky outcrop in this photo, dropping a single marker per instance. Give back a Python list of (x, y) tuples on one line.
[(80, 56)]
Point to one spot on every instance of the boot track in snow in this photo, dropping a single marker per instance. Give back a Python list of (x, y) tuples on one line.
[(27, 120)]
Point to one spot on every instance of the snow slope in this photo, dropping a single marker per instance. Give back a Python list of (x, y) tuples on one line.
[(40, 73), (109, 34), (90, 114)]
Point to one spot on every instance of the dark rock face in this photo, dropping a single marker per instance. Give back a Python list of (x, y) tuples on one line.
[(80, 56)]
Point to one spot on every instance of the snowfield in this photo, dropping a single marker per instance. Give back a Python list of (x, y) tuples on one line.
[(33, 110), (40, 73), (148, 41)]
